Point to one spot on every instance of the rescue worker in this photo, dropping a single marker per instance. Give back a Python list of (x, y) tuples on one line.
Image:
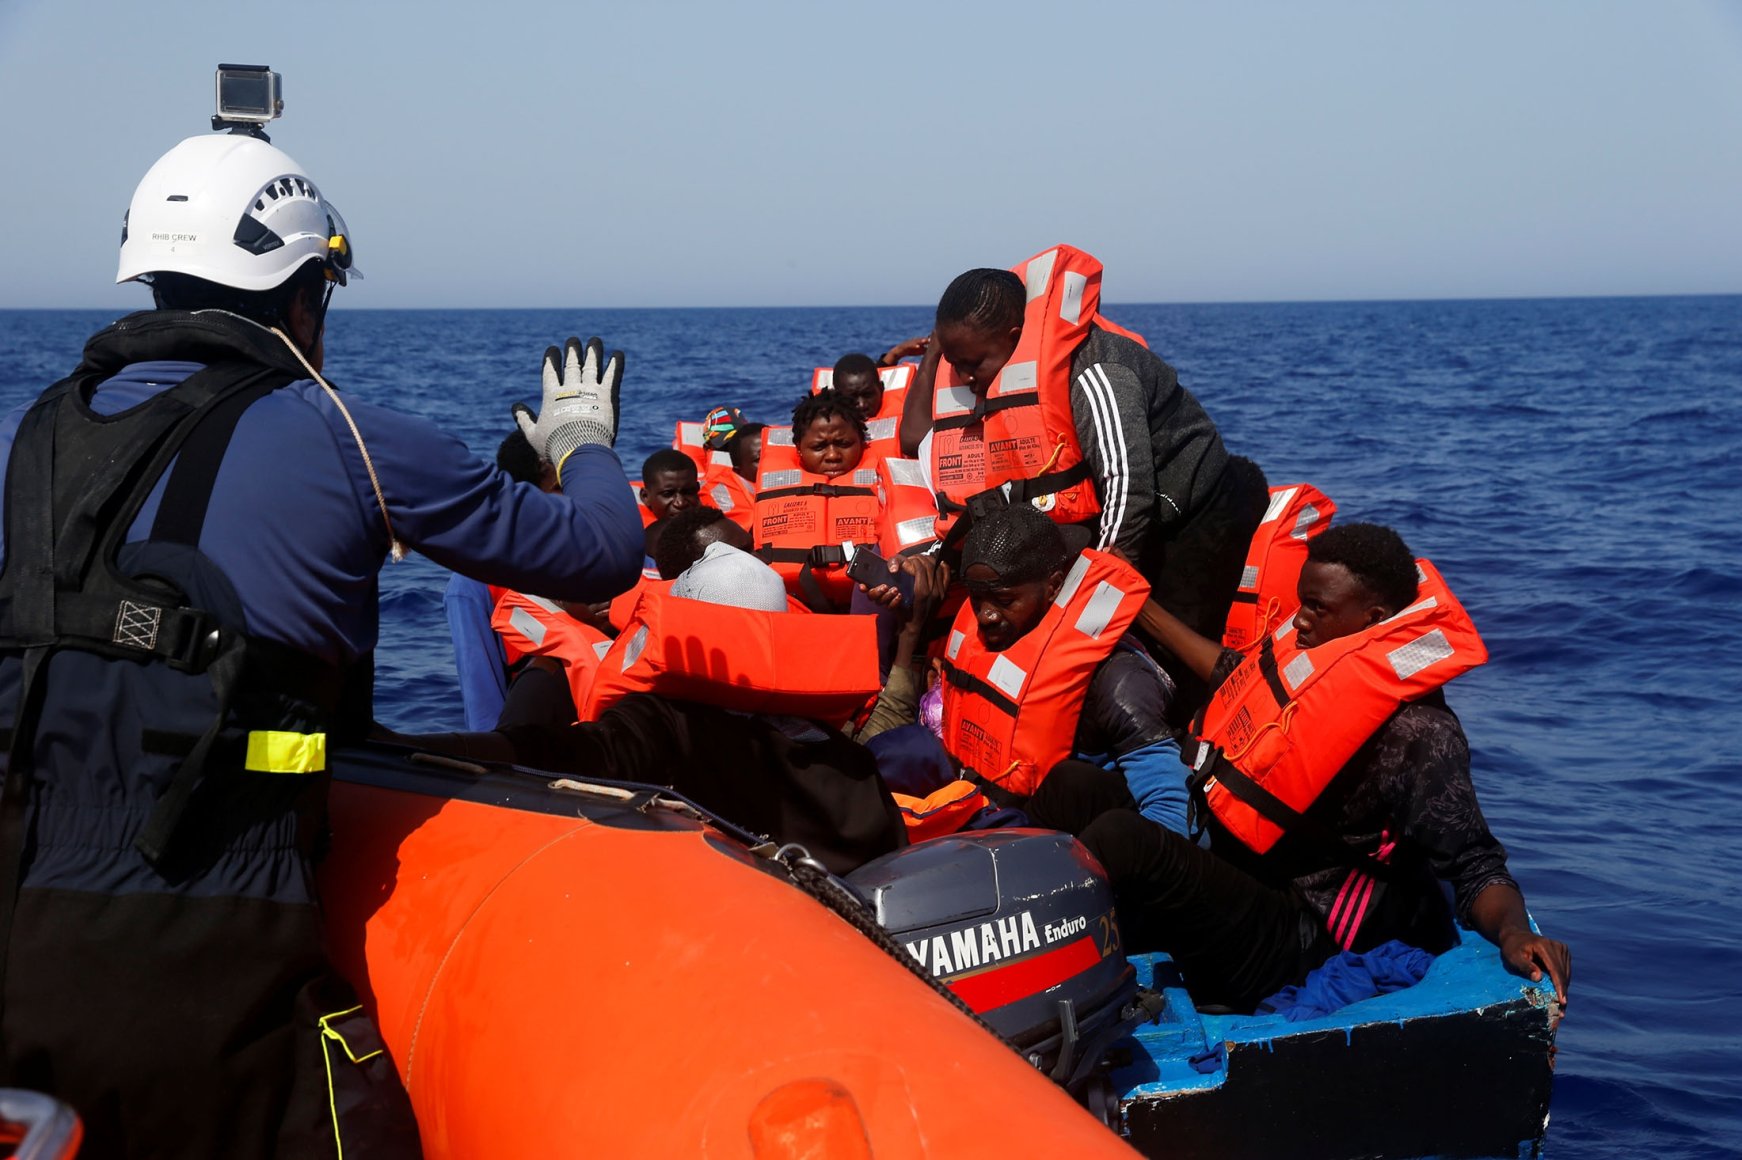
[(1166, 494), (193, 525), (1281, 888)]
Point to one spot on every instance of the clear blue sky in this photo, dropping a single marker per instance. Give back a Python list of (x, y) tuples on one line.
[(663, 153)]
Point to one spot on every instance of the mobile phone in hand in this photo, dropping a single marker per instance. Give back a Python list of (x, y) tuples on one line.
[(870, 569)]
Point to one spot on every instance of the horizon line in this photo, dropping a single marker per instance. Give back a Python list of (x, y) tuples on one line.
[(924, 306)]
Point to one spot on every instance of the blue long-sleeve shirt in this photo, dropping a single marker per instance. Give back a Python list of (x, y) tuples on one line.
[(294, 523), (478, 657), (1124, 727)]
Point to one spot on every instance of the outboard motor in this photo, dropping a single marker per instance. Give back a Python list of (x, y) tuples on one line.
[(1019, 925)]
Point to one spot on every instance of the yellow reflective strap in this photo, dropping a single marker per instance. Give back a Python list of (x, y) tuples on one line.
[(329, 1032), (272, 751)]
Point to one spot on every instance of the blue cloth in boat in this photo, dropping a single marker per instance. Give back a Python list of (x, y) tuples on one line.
[(1348, 978)]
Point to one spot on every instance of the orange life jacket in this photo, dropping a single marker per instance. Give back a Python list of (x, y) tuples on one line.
[(943, 811), (1010, 716), (882, 430), (803, 519), (1266, 596), (724, 488), (623, 604), (910, 509), (1287, 720), (687, 438), (534, 626), (635, 489), (1022, 433), (793, 663)]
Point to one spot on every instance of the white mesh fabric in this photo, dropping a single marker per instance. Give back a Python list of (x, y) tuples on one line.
[(724, 575)]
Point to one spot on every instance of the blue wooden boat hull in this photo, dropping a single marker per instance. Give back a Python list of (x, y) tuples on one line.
[(1460, 1064)]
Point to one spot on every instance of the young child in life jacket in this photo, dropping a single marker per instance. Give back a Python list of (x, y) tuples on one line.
[(1108, 705), (815, 496), (1363, 861)]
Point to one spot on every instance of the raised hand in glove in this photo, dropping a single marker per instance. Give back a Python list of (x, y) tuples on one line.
[(580, 401)]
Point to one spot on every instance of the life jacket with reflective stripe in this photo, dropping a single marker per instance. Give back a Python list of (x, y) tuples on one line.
[(803, 519), (882, 430), (1267, 596), (790, 663), (1287, 719), (943, 811), (1010, 716), (910, 510), (724, 488), (1018, 443), (531, 626)]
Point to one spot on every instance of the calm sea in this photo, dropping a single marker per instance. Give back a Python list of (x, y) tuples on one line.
[(1575, 469)]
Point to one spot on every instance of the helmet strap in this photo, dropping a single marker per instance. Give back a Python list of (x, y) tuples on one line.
[(321, 318)]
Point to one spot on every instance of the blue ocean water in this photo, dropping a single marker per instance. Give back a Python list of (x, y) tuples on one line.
[(1573, 467)]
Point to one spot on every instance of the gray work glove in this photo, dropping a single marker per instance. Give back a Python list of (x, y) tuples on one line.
[(580, 401)]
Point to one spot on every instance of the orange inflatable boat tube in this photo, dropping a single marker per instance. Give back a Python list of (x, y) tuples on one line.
[(564, 973)]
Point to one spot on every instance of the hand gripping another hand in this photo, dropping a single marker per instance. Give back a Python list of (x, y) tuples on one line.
[(580, 401)]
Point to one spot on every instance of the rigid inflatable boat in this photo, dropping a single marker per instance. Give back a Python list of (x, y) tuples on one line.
[(562, 969), (566, 968)]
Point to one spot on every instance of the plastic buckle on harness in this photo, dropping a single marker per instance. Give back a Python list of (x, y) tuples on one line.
[(827, 555), (988, 502)]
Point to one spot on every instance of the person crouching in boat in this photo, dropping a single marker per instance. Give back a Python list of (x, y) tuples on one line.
[(815, 493), (1040, 674), (1037, 393), (722, 636), (1335, 785), (561, 645)]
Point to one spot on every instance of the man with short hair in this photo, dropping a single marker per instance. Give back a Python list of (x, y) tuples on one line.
[(1396, 820), (686, 536), (669, 483), (856, 380)]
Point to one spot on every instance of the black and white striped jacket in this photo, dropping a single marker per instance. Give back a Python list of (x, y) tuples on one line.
[(1153, 451)]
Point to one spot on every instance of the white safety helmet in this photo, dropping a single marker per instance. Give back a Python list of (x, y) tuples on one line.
[(235, 210)]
